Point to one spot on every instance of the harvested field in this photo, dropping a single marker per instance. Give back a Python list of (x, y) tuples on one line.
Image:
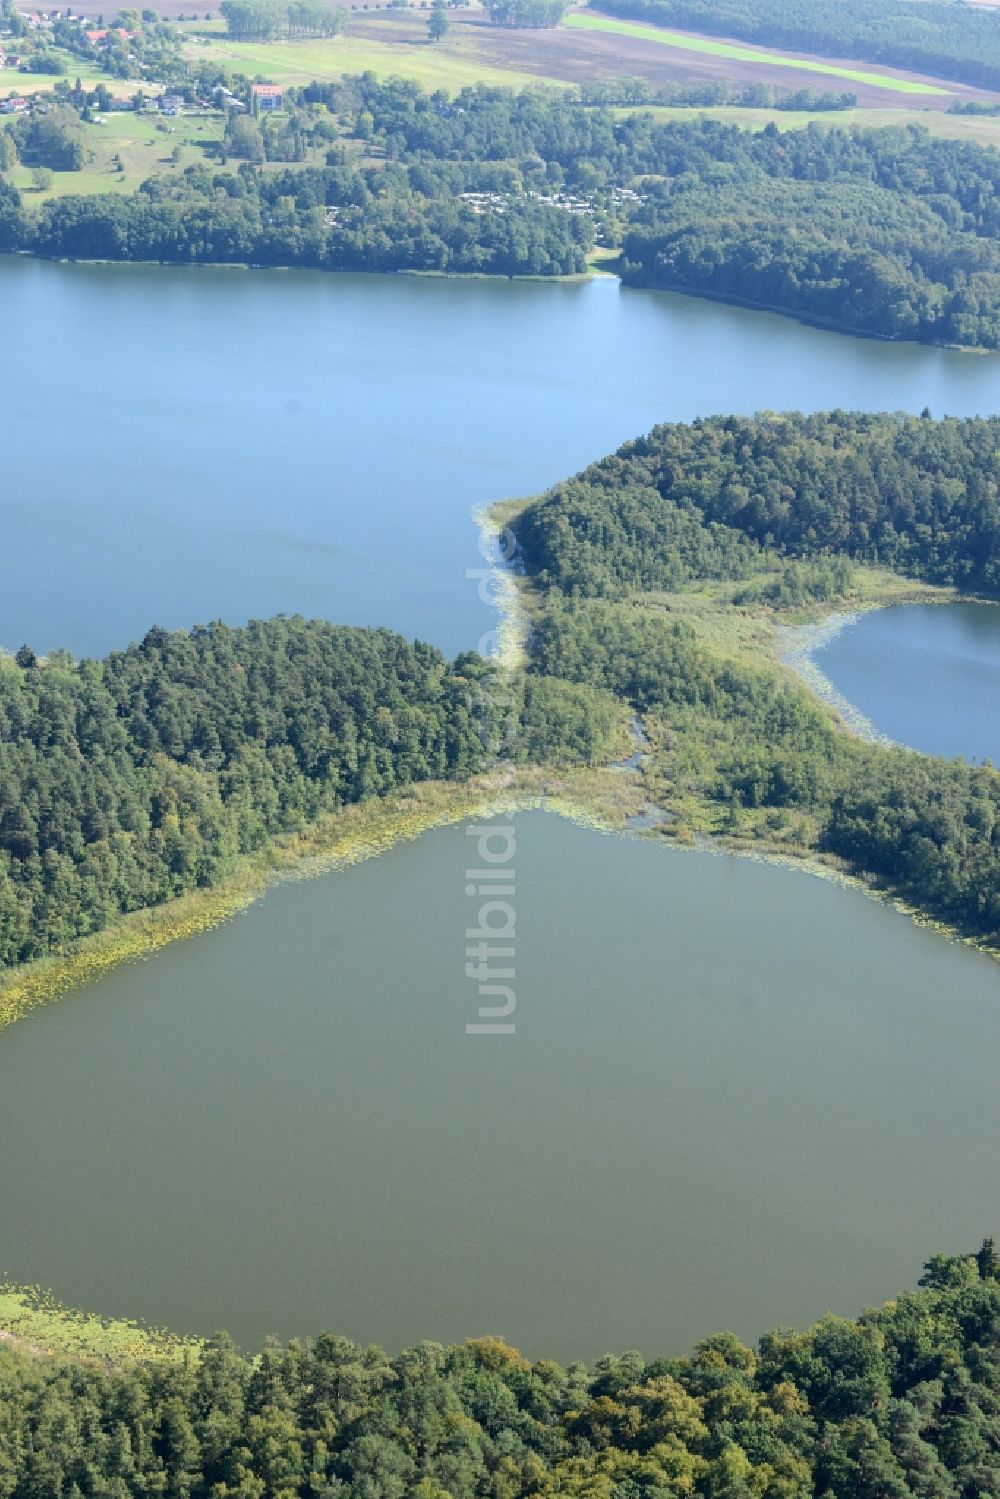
[(858, 75), (580, 51)]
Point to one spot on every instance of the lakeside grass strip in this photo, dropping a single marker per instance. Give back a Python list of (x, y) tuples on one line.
[(344, 838), (686, 43)]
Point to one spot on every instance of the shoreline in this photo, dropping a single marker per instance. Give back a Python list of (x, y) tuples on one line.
[(570, 278), (350, 836), (826, 325), (799, 646), (590, 274)]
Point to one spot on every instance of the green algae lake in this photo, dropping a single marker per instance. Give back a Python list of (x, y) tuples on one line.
[(737, 1095)]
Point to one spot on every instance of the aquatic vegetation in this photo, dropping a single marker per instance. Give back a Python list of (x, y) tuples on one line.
[(34, 1322)]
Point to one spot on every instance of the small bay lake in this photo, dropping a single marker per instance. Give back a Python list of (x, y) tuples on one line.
[(737, 1096), (925, 675)]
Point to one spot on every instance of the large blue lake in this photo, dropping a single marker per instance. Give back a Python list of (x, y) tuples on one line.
[(183, 445)]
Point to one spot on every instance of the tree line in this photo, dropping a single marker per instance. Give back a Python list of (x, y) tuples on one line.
[(529, 13), (957, 41), (268, 20), (900, 1403)]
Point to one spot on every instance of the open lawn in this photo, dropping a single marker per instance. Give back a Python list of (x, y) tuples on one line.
[(13, 82), (685, 41), (145, 144)]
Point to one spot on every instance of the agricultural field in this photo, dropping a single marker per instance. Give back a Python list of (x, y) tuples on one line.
[(394, 45), (145, 144), (586, 48), (756, 56)]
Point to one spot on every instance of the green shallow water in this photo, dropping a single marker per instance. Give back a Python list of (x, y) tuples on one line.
[(736, 1096)]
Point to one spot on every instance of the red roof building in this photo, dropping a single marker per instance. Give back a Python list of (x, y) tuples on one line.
[(267, 96)]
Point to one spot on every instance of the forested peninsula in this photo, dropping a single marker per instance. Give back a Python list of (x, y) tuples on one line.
[(885, 232), (899, 1404), (662, 574)]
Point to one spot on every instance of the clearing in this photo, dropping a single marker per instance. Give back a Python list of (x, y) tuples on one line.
[(145, 144)]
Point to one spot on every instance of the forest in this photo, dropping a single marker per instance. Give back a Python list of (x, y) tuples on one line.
[(128, 781), (900, 1403), (872, 231), (706, 499), (780, 507), (332, 218), (947, 40)]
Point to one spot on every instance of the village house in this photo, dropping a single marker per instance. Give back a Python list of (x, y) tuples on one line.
[(267, 97)]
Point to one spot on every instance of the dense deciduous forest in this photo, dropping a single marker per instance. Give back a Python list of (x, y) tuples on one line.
[(702, 500), (331, 218), (781, 501), (947, 40), (850, 255), (128, 781), (875, 231), (899, 1404)]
